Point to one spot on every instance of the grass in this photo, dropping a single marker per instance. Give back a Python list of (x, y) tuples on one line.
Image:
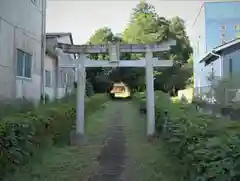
[(148, 161), (145, 161), (68, 163)]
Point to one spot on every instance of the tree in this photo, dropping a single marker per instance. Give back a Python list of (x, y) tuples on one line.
[(147, 27), (182, 50), (99, 76), (101, 36)]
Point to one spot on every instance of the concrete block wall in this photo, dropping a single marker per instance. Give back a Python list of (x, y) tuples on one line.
[(20, 28)]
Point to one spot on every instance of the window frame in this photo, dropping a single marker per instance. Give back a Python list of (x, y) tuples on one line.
[(230, 67), (45, 78), (62, 76), (23, 76)]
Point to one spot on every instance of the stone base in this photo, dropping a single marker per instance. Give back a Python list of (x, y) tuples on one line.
[(77, 139)]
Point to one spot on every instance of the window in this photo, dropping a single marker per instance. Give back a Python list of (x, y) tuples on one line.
[(48, 78), (70, 79), (24, 64), (230, 67), (62, 79)]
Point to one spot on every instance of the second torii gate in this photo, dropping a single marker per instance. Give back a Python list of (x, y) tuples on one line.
[(114, 51)]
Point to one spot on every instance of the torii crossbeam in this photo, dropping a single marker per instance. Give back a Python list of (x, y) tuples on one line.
[(114, 51)]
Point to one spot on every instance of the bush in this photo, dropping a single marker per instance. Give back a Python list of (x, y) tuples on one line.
[(12, 106), (21, 135), (209, 150)]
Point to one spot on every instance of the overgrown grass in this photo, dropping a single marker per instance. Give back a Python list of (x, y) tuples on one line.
[(147, 161), (206, 146), (68, 163), (24, 135)]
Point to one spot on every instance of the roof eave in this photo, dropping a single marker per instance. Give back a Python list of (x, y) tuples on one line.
[(51, 54), (209, 57)]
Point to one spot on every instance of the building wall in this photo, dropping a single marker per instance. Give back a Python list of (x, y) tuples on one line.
[(66, 60), (222, 23), (65, 39), (221, 27), (221, 19), (199, 48), (235, 63), (50, 64), (20, 28)]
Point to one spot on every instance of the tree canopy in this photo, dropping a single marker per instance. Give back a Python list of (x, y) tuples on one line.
[(146, 27)]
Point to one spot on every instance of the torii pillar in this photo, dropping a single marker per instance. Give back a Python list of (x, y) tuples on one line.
[(150, 93), (81, 83)]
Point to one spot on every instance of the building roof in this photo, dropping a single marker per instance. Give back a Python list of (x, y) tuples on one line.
[(210, 57), (53, 36), (60, 34)]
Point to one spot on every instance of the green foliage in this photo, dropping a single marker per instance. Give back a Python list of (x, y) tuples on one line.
[(224, 90), (208, 148), (101, 35), (89, 89), (22, 134), (145, 27)]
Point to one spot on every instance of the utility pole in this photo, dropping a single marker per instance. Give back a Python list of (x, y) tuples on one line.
[(43, 48)]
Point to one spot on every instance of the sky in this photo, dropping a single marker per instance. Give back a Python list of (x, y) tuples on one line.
[(82, 18)]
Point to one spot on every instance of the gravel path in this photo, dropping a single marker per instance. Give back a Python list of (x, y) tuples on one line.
[(112, 156)]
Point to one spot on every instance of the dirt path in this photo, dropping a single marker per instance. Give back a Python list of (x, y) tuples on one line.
[(126, 154), (112, 155)]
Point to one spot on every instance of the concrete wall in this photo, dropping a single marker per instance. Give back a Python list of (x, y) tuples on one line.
[(66, 60), (20, 28), (221, 27), (220, 21), (56, 90), (235, 63), (50, 64), (199, 47), (219, 15)]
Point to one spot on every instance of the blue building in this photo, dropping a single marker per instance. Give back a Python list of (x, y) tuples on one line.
[(216, 24)]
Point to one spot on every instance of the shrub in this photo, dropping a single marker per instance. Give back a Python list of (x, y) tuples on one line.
[(21, 135), (12, 106), (209, 150)]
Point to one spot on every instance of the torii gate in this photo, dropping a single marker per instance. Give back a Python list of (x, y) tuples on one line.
[(114, 51)]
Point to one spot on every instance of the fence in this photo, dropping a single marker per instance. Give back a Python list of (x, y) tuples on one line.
[(221, 91)]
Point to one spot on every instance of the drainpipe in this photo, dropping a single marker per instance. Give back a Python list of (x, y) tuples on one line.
[(220, 57), (43, 48)]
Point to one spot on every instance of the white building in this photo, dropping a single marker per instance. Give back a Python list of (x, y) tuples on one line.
[(58, 80), (20, 48), (21, 68)]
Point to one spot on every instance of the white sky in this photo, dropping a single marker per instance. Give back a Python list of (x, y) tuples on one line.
[(82, 18)]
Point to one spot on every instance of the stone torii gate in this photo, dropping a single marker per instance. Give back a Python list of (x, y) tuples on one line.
[(114, 51)]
